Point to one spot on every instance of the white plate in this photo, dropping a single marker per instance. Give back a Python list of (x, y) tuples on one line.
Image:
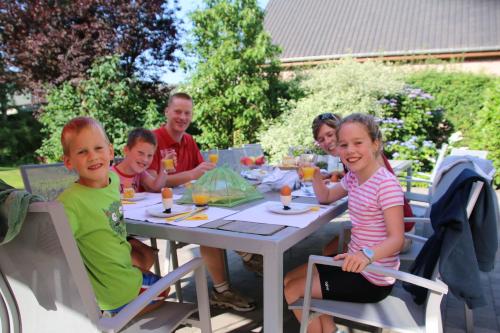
[(278, 209), (137, 197), (158, 210), (254, 174)]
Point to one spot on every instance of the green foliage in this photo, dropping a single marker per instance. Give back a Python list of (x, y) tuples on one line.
[(116, 101), (460, 94), (236, 85), (342, 89), (485, 132), (12, 176), (19, 138), (412, 127)]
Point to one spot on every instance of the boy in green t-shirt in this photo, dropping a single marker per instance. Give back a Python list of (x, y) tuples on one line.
[(95, 214)]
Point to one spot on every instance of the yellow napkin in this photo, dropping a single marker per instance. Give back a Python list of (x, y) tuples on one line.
[(315, 208), (197, 217), (126, 202)]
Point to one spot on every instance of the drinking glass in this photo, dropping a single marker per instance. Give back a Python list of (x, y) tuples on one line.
[(128, 193), (307, 165), (200, 195), (213, 155), (168, 163)]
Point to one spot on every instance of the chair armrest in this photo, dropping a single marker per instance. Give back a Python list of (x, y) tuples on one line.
[(416, 220), (436, 286), (416, 237), (415, 180), (133, 308)]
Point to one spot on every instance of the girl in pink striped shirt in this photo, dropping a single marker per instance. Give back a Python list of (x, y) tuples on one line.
[(376, 211)]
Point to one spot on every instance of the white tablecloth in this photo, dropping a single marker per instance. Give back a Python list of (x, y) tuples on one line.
[(261, 214), (213, 213)]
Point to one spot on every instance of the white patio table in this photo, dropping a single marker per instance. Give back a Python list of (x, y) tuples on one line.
[(271, 241)]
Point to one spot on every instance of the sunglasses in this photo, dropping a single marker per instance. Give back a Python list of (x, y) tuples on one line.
[(327, 116)]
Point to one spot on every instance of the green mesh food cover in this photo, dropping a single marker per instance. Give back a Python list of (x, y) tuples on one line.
[(225, 188)]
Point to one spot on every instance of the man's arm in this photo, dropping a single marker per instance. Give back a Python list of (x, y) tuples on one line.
[(186, 176)]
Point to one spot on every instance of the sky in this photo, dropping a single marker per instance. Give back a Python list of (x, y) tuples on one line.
[(186, 7)]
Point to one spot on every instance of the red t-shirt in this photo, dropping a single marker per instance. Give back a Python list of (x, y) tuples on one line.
[(188, 153)]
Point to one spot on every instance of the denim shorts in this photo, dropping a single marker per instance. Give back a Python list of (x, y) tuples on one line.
[(148, 279)]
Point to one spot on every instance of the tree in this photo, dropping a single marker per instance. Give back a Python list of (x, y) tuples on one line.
[(8, 86), (57, 41), (235, 84), (118, 102)]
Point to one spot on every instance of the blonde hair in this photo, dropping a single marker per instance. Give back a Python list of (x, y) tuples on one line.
[(75, 126)]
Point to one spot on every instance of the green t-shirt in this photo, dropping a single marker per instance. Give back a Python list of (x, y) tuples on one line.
[(96, 219)]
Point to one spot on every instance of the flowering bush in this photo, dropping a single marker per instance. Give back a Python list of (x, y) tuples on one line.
[(343, 88), (413, 127)]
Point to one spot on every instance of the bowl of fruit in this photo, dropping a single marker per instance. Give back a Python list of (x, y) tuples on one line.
[(253, 162)]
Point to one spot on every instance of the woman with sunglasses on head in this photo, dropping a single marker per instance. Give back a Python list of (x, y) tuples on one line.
[(324, 129)]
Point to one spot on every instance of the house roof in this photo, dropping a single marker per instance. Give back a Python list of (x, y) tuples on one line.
[(310, 30)]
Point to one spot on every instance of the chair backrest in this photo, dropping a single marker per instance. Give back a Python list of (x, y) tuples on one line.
[(469, 152), (227, 157), (36, 266), (439, 160), (47, 180), (253, 149), (237, 154)]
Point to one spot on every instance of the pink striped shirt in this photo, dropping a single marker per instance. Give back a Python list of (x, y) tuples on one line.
[(367, 203)]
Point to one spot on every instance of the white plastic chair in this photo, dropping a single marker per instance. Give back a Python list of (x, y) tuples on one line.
[(396, 312), (419, 211), (468, 152), (51, 292)]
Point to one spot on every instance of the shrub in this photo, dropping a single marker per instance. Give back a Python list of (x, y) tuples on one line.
[(460, 94), (117, 102), (343, 88), (19, 138), (485, 132), (412, 127)]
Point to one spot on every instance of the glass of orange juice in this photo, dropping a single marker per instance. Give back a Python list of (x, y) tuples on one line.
[(306, 163), (200, 196), (167, 156), (128, 193), (307, 173), (168, 165), (213, 155)]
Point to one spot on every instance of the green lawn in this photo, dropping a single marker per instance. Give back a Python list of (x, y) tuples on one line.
[(11, 176)]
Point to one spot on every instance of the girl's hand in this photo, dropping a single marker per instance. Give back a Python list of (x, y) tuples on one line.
[(353, 262)]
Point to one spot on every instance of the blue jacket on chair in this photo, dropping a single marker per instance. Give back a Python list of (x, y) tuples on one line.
[(463, 246)]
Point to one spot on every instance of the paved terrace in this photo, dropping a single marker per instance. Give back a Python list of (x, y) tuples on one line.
[(486, 319)]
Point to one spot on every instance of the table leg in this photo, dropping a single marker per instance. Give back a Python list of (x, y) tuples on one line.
[(273, 292)]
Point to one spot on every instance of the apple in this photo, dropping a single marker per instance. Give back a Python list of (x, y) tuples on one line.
[(260, 160), (246, 160)]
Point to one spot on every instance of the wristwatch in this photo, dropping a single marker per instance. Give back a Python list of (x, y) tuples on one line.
[(369, 253)]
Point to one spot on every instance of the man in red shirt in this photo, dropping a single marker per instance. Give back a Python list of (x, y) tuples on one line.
[(190, 166)]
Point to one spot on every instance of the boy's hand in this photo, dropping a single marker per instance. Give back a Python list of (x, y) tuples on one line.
[(353, 262)]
